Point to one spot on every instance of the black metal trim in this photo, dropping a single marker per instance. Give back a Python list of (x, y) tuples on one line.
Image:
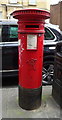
[(30, 99), (10, 74)]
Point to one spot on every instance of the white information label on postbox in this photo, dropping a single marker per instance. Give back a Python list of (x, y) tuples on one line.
[(31, 42)]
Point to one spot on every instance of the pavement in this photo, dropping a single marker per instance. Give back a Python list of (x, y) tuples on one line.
[(11, 109)]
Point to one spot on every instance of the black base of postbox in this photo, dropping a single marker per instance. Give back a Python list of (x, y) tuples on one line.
[(57, 92), (30, 99)]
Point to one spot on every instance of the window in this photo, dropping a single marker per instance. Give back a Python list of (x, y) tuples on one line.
[(9, 33), (32, 2), (48, 35), (13, 1), (13, 32)]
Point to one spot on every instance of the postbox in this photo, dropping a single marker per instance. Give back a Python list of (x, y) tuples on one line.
[(30, 38)]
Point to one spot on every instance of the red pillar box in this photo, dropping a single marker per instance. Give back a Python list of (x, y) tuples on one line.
[(30, 37)]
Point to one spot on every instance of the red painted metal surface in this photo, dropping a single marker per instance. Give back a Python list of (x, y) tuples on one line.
[(30, 22)]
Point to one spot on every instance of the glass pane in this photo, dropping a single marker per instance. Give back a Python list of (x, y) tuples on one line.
[(32, 2), (13, 32), (48, 35), (5, 33), (13, 1)]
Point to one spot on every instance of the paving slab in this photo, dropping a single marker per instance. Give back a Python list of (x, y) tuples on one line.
[(10, 107)]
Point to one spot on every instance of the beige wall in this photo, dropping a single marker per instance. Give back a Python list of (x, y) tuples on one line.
[(0, 10), (45, 4), (10, 9), (4, 1), (3, 10), (7, 8)]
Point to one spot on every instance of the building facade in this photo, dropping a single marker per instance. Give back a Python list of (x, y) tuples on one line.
[(56, 14), (8, 6)]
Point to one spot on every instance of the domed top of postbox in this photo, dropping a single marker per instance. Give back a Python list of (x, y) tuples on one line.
[(31, 14)]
